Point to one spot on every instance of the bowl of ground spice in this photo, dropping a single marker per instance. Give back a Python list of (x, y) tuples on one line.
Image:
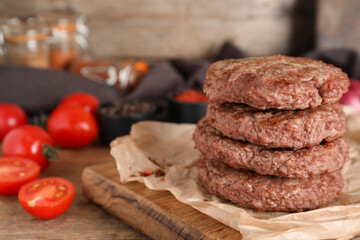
[(115, 118), (187, 106)]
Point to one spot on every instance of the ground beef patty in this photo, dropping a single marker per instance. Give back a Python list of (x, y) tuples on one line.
[(278, 128), (268, 193), (302, 163), (279, 82)]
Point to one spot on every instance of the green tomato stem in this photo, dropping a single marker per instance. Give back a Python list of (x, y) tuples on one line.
[(50, 152)]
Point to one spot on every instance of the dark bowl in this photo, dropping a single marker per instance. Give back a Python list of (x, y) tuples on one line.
[(184, 112), (112, 126)]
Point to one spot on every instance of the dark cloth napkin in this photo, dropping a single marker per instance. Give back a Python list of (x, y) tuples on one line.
[(39, 90), (346, 59)]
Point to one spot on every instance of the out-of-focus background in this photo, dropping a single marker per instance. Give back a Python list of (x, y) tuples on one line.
[(146, 49), (160, 29), (87, 70)]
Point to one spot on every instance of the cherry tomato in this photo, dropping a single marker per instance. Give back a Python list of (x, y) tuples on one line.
[(15, 172), (47, 197), (32, 142), (85, 100), (72, 127), (11, 116)]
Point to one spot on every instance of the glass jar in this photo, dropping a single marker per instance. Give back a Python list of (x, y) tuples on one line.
[(123, 75), (2, 50), (85, 56), (64, 33), (25, 43)]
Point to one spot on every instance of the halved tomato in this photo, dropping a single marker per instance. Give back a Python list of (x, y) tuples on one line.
[(47, 197), (15, 172)]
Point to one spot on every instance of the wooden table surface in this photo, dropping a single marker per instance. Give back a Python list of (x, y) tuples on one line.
[(83, 220)]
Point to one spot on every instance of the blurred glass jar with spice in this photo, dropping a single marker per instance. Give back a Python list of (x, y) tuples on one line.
[(25, 42), (67, 39), (123, 75), (2, 50)]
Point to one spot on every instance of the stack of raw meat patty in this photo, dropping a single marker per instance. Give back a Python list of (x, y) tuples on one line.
[(272, 136)]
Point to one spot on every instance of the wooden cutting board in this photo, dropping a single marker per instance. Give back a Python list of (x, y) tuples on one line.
[(155, 213)]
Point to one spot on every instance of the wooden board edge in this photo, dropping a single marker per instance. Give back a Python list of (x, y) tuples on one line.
[(128, 206)]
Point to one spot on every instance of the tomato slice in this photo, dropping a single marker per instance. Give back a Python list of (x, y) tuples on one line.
[(47, 197), (15, 172)]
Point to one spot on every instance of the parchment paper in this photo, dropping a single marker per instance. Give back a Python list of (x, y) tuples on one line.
[(157, 145)]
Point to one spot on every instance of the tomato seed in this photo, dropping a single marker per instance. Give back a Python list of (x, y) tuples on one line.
[(59, 194), (17, 163), (32, 203), (21, 174), (62, 188)]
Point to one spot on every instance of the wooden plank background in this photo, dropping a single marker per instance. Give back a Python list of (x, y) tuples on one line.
[(338, 24), (161, 29)]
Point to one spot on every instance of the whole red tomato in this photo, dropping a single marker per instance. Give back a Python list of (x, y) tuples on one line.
[(72, 127), (47, 197), (11, 116), (15, 172), (29, 141), (85, 100)]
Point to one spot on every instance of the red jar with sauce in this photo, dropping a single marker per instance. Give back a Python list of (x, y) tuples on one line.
[(190, 96), (187, 106)]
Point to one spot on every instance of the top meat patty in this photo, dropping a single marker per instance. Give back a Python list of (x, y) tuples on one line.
[(278, 81)]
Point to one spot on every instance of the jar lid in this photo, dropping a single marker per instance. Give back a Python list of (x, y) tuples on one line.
[(15, 30), (65, 21)]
